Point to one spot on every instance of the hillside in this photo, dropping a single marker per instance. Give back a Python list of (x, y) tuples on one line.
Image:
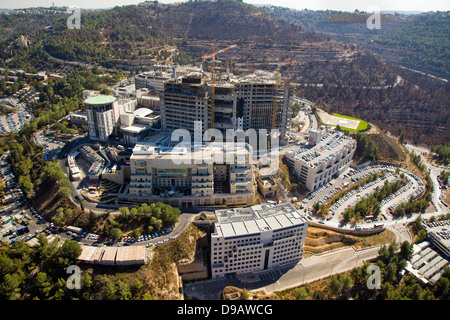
[(158, 32), (417, 41), (381, 93), (423, 44), (338, 76), (378, 85)]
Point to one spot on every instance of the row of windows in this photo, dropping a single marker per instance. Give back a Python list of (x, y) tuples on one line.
[(245, 255), (283, 253), (284, 234), (292, 257), (243, 241), (241, 267), (284, 246), (247, 268), (252, 252), (240, 263)]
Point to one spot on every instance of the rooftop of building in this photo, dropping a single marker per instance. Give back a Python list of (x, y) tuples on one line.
[(100, 100), (328, 147), (155, 148), (256, 219), (267, 181), (440, 230), (142, 112), (135, 128), (426, 263), (113, 255), (257, 77), (153, 74), (165, 72)]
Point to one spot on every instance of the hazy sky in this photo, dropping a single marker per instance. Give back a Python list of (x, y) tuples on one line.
[(344, 5)]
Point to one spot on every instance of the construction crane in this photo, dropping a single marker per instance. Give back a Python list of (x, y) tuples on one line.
[(212, 56), (278, 64)]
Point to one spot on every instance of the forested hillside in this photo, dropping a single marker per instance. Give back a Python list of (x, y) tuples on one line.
[(373, 86), (416, 41), (425, 43), (382, 93), (121, 33), (334, 67), (140, 32)]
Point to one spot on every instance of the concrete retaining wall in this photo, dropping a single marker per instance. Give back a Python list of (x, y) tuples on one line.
[(353, 232)]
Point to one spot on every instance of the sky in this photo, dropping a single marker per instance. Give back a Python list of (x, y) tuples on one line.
[(342, 5)]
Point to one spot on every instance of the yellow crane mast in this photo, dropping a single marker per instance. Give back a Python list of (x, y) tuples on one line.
[(212, 56)]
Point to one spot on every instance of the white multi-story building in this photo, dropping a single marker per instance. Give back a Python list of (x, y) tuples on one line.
[(151, 79), (256, 238), (103, 113), (212, 174), (155, 78), (326, 156)]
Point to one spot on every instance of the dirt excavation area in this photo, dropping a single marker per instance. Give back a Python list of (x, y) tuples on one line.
[(319, 240)]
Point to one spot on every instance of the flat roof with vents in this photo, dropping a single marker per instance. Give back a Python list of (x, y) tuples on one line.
[(255, 219), (100, 100), (113, 256)]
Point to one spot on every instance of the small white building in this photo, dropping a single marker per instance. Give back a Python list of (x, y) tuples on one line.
[(427, 264), (136, 125)]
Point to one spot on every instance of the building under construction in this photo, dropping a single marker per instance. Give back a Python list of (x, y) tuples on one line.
[(245, 102)]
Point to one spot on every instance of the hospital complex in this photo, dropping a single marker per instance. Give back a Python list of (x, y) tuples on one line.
[(247, 236)]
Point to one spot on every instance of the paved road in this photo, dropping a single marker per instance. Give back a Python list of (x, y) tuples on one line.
[(284, 277), (75, 63), (434, 173), (183, 222), (295, 274), (320, 266)]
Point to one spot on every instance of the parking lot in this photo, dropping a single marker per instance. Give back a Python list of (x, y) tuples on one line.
[(155, 238), (19, 220), (51, 147), (413, 188), (13, 122)]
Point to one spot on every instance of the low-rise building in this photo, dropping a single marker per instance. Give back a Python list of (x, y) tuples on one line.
[(135, 125), (257, 238), (113, 256), (78, 118), (151, 79), (427, 264), (211, 174), (439, 234), (267, 186), (97, 163)]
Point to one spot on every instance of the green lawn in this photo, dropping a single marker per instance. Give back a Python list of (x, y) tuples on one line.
[(361, 126)]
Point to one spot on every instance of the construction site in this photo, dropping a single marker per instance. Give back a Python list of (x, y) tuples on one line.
[(248, 98)]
